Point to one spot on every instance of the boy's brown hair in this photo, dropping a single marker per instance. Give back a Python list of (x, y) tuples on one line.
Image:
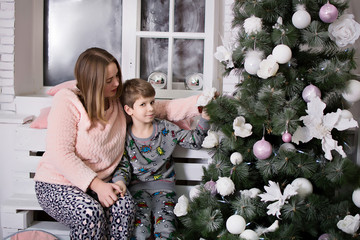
[(135, 88)]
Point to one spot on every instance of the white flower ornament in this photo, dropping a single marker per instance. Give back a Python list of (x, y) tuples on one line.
[(350, 224), (344, 31), (241, 129), (211, 140), (273, 193), (206, 97), (268, 67), (224, 55), (318, 125), (181, 207)]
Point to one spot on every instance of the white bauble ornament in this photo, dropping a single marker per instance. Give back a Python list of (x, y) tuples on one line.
[(251, 65), (235, 224), (304, 186), (301, 19), (356, 197), (352, 91), (249, 234), (287, 147), (282, 53), (252, 61), (236, 158), (346, 114)]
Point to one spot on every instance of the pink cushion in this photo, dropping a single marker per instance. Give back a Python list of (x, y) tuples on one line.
[(68, 84), (41, 121)]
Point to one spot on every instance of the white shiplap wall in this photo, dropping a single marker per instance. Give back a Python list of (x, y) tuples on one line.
[(7, 23)]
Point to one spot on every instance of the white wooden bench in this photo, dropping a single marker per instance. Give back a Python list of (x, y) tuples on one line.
[(22, 212)]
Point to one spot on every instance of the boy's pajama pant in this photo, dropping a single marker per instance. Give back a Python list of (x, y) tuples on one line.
[(157, 206)]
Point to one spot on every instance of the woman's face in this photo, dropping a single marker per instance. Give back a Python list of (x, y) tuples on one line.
[(111, 81)]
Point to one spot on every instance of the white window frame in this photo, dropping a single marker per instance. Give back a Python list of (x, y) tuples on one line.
[(28, 72), (131, 44)]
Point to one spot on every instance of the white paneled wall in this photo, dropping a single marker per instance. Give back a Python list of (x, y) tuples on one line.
[(7, 22)]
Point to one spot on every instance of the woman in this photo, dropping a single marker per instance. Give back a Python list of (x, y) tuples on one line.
[(85, 142)]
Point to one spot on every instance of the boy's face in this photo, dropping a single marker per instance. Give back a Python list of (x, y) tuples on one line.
[(143, 110)]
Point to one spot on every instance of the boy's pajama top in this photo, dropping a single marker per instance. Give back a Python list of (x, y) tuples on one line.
[(147, 166)]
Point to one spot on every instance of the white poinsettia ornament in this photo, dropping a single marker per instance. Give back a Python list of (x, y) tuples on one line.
[(318, 125), (241, 129), (273, 194), (224, 55), (252, 25)]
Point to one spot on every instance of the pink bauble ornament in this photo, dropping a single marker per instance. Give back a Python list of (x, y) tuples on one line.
[(310, 92), (328, 13), (286, 137), (211, 187), (262, 149), (325, 236)]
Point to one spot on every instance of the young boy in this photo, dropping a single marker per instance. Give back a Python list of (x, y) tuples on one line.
[(147, 166)]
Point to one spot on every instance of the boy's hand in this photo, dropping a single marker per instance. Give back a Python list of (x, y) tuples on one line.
[(107, 192), (204, 114), (122, 186)]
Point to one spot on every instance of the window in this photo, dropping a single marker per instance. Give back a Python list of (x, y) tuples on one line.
[(173, 40), (71, 27), (182, 48)]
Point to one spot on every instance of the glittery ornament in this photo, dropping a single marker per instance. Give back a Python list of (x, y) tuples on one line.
[(262, 149), (328, 13), (286, 137), (310, 92), (325, 236), (211, 187)]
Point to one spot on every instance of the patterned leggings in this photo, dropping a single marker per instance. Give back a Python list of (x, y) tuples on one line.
[(84, 215), (154, 210)]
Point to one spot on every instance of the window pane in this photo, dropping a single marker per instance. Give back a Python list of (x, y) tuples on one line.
[(72, 26), (189, 16), (188, 58), (155, 15), (153, 57)]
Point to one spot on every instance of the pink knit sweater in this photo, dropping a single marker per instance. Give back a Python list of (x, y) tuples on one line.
[(77, 152)]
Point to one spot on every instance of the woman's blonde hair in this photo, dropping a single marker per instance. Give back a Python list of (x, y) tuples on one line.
[(90, 73)]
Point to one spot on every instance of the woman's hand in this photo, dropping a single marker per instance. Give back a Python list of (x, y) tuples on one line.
[(107, 192)]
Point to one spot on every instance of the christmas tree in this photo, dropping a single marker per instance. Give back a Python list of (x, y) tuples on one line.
[(280, 166)]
